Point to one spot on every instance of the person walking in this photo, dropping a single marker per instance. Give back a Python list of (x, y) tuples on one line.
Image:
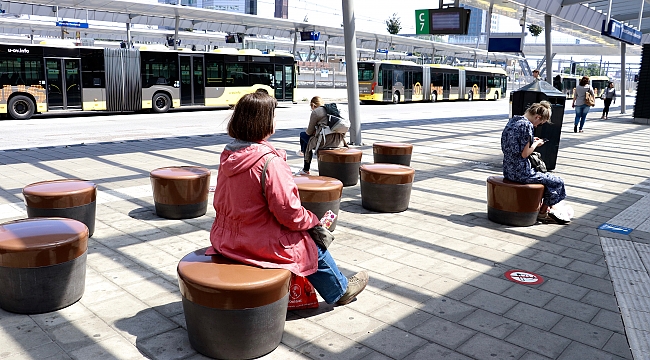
[(609, 96), (580, 103)]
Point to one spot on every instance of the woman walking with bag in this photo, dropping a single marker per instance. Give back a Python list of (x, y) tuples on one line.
[(517, 143), (609, 96), (583, 100), (265, 225)]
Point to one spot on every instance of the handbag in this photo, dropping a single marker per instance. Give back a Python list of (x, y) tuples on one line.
[(302, 294), (536, 162), (589, 99), (321, 236)]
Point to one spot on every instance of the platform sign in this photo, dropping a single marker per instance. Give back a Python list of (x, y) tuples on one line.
[(615, 228), (422, 22), (619, 31), (72, 24)]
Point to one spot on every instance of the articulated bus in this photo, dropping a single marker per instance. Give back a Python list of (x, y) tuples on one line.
[(402, 81), (40, 78)]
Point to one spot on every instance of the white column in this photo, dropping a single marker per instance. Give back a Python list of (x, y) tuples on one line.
[(178, 22), (623, 78), (548, 45)]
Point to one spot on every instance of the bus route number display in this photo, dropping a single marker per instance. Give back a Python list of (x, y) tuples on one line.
[(454, 20)]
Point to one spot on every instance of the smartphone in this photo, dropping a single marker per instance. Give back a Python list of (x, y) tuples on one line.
[(545, 140), (328, 219)]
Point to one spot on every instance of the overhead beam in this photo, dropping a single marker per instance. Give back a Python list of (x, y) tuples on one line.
[(573, 2)]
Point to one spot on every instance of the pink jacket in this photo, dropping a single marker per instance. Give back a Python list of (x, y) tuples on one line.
[(267, 232)]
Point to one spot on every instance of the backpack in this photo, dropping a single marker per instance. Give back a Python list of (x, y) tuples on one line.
[(336, 122)]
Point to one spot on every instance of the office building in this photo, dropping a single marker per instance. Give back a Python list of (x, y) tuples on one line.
[(281, 9)]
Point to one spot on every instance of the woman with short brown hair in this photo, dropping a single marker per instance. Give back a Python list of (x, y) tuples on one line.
[(262, 223)]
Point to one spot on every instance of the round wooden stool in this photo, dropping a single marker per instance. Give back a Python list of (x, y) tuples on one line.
[(42, 264), (232, 310), (386, 187), (180, 192), (319, 194), (68, 198), (392, 153), (342, 164), (513, 203)]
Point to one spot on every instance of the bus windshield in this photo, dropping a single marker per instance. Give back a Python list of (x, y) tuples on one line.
[(366, 71)]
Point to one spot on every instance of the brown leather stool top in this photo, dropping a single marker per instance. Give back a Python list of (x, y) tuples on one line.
[(341, 155), (387, 173), (318, 188), (390, 148), (192, 191), (518, 197), (65, 193), (220, 283), (39, 242)]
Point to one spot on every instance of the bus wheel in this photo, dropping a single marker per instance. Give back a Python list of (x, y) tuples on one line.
[(161, 103), (470, 96), (395, 98), (496, 96), (21, 107), (434, 97)]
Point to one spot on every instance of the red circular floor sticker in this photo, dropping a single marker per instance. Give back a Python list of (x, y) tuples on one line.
[(523, 277)]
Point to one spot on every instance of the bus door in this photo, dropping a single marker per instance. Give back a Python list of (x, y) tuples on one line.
[(63, 83), (192, 75), (482, 86), (289, 83), (408, 85), (283, 82), (387, 75)]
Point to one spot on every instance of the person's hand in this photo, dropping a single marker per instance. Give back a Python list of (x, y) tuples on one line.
[(539, 142), (573, 105)]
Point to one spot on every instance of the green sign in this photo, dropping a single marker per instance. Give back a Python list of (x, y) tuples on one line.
[(422, 22)]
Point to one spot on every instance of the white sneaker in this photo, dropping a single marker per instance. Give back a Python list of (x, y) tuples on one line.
[(301, 172), (300, 153)]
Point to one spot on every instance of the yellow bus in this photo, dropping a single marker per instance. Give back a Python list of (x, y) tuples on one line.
[(405, 81), (43, 78)]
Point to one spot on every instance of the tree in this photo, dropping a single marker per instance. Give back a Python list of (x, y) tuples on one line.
[(393, 24), (535, 30)]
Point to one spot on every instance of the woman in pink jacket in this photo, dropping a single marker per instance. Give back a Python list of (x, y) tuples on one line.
[(269, 229)]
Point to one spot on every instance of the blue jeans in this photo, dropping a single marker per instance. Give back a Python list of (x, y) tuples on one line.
[(328, 279), (304, 139), (581, 115)]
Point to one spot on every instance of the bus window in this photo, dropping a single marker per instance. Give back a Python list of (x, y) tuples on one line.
[(158, 68), (398, 77), (237, 74), (436, 79), (21, 71), (493, 82), (214, 73), (92, 68), (380, 78), (453, 81), (366, 72), (261, 74)]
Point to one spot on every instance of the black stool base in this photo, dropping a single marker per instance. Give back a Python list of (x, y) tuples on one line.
[(177, 212), (347, 173), (512, 218), (83, 213), (319, 209), (43, 289), (386, 198), (235, 334), (392, 159)]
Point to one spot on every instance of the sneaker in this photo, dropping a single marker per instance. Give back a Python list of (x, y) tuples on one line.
[(301, 172), (544, 218), (559, 216), (300, 153), (356, 284)]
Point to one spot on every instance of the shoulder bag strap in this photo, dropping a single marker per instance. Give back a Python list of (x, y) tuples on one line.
[(263, 181)]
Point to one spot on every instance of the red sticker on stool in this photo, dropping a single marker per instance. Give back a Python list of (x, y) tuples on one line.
[(523, 277)]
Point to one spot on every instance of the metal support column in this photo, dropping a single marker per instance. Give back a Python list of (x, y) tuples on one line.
[(128, 34), (549, 48), (295, 41), (349, 31), (374, 56), (623, 78), (178, 22)]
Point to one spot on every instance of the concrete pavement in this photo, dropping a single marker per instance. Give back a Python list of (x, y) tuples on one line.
[(437, 288)]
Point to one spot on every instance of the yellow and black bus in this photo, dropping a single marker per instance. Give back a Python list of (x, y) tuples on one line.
[(403, 81), (41, 78)]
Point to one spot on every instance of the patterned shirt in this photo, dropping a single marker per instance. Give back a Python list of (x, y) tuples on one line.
[(517, 134)]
